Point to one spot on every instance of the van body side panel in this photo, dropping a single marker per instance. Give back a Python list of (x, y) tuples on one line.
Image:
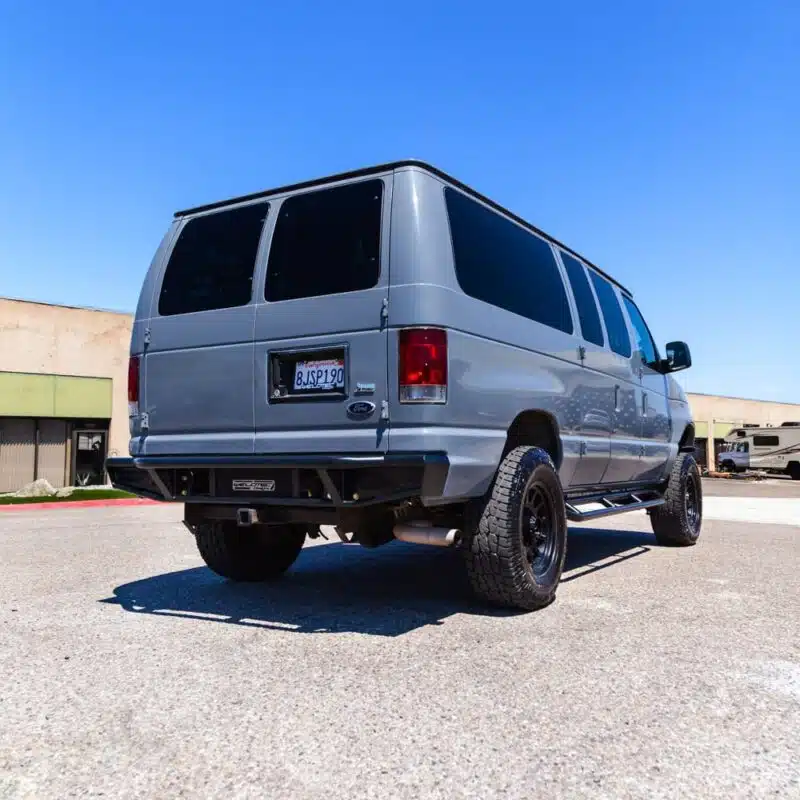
[(657, 431), (500, 364), (352, 321), (141, 324), (198, 375)]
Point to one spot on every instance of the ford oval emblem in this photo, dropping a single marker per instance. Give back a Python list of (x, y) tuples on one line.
[(360, 409)]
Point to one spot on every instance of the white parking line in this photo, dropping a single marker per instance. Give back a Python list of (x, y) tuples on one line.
[(767, 510)]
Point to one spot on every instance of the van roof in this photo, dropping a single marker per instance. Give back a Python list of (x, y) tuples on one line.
[(386, 168)]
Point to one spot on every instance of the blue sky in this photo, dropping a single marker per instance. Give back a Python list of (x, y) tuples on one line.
[(662, 140)]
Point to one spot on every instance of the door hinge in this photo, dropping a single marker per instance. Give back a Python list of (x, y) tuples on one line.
[(146, 336), (144, 420), (384, 409), (385, 310), (582, 448), (581, 352)]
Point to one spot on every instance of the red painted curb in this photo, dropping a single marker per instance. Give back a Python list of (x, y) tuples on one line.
[(122, 501)]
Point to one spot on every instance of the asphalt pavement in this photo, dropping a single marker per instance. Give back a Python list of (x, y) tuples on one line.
[(131, 671)]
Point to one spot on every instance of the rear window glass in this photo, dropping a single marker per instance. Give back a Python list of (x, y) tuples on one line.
[(326, 242), (618, 337), (501, 263), (588, 314), (212, 262)]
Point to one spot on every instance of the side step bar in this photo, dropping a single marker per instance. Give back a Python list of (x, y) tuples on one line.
[(613, 503)]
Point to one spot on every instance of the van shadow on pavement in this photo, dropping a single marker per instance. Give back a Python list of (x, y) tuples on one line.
[(335, 588)]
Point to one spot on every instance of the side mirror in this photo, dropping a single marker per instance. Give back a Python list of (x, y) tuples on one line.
[(678, 357)]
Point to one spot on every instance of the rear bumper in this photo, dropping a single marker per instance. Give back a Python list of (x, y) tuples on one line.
[(299, 481)]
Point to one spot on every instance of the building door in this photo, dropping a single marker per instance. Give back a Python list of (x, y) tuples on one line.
[(17, 453), (52, 460), (89, 458)]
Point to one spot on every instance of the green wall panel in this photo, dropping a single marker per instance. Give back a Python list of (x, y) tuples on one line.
[(82, 397), (26, 395), (701, 430)]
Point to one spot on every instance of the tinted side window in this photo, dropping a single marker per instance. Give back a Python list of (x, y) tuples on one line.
[(584, 299), (618, 338), (501, 263), (211, 265), (644, 340), (326, 242), (766, 441)]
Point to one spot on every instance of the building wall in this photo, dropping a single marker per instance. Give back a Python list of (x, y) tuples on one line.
[(715, 416), (39, 339)]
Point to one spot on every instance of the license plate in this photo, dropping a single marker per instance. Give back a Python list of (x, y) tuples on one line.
[(319, 376)]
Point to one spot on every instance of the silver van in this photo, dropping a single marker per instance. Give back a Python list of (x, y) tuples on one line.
[(391, 353)]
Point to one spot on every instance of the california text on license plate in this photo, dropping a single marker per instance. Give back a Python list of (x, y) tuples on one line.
[(319, 375)]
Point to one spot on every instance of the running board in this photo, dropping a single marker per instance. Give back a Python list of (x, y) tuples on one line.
[(613, 503)]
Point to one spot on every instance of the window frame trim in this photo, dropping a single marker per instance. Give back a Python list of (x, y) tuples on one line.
[(525, 229), (627, 299), (384, 252), (620, 304), (579, 332), (175, 238)]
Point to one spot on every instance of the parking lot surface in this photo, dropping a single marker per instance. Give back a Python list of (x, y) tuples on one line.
[(130, 670)]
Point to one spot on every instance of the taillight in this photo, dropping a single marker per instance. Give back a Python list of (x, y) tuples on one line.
[(133, 386), (423, 365)]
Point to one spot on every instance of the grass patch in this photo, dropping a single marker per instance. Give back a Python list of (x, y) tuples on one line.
[(82, 494)]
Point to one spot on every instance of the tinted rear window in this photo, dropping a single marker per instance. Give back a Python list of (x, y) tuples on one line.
[(618, 337), (588, 314), (326, 242), (212, 262), (501, 263)]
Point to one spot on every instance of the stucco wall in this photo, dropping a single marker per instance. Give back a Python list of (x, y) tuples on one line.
[(57, 340), (720, 412)]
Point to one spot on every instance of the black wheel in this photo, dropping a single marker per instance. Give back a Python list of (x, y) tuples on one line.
[(794, 470), (255, 553), (516, 541), (729, 466), (677, 523)]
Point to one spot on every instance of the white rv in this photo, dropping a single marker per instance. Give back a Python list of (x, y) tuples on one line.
[(768, 449)]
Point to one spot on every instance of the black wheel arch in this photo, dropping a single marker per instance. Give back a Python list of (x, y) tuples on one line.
[(535, 428)]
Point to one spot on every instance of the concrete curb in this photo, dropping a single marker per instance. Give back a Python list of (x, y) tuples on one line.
[(55, 504)]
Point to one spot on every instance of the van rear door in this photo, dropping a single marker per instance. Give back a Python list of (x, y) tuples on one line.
[(320, 322), (197, 371)]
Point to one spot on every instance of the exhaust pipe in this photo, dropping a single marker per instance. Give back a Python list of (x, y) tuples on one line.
[(426, 534)]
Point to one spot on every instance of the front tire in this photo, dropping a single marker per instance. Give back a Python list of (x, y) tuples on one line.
[(256, 553), (677, 523), (516, 542)]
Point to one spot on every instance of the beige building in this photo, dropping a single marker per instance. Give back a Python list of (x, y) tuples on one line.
[(63, 392), (715, 416), (64, 404)]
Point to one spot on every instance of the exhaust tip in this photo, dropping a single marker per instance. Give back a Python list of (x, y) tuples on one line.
[(427, 534)]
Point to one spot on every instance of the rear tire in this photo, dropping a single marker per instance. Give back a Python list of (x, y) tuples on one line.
[(516, 541), (794, 470), (678, 522), (257, 553)]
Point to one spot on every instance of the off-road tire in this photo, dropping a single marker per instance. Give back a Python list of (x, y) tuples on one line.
[(674, 523), (255, 553), (494, 547), (794, 470)]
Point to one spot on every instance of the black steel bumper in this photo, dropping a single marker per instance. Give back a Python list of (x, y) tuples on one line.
[(299, 481)]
